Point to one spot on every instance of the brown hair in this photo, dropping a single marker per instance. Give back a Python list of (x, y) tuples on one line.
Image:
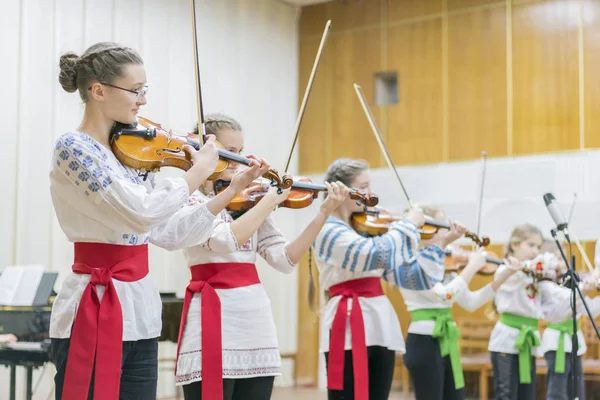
[(101, 62), (345, 170), (215, 123), (520, 234)]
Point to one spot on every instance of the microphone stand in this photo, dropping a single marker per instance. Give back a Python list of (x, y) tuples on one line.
[(576, 374)]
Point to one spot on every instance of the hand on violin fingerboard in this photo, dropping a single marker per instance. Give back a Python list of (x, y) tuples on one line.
[(337, 193), (456, 231)]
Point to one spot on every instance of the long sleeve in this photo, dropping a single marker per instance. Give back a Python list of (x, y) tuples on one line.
[(395, 252), (272, 246), (424, 271), (471, 301), (79, 161), (191, 225)]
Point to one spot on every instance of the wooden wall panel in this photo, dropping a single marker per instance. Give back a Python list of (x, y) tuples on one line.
[(454, 5), (591, 57), (545, 71), (314, 142), (355, 56), (312, 21), (307, 354), (477, 83), (407, 9), (414, 126), (353, 15)]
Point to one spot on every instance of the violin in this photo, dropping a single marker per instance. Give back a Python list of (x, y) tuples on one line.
[(457, 259), (376, 222), (147, 146), (302, 194)]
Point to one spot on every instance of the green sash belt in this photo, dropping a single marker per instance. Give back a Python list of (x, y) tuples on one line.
[(525, 342), (448, 334), (562, 328)]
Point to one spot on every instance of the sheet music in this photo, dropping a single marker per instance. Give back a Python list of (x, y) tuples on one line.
[(19, 284)]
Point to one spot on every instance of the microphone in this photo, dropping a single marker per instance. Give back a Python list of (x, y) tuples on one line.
[(556, 213)]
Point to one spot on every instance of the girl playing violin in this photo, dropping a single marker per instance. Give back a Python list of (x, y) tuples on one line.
[(432, 354), (556, 339), (228, 346), (360, 359), (515, 339), (106, 319)]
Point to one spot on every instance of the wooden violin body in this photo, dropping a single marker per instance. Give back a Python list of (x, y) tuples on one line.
[(302, 194), (377, 221), (147, 147), (457, 259)]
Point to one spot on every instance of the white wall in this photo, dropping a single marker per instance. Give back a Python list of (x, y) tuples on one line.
[(249, 69)]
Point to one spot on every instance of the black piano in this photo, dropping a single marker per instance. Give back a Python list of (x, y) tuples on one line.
[(31, 326)]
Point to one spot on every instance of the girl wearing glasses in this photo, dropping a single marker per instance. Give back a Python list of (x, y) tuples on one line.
[(107, 316)]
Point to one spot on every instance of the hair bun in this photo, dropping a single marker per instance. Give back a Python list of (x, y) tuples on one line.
[(68, 71)]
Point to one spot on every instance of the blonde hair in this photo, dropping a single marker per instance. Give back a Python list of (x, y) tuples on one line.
[(520, 234), (101, 62)]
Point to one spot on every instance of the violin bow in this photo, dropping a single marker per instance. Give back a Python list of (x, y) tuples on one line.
[(481, 188), (201, 127), (307, 91), (586, 260), (377, 133)]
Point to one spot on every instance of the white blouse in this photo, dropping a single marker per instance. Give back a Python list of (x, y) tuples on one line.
[(556, 309), (443, 295), (519, 295), (97, 199), (249, 336)]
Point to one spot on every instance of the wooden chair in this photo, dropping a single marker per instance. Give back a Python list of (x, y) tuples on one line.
[(475, 336)]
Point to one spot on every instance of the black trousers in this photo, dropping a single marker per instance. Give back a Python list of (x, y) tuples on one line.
[(381, 373), (560, 386), (506, 378), (235, 389), (139, 369), (431, 374)]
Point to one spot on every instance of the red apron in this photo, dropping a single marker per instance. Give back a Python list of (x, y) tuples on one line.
[(98, 327), (364, 287), (205, 279)]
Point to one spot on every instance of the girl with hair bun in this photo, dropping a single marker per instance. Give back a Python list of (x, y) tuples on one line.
[(360, 357), (106, 319)]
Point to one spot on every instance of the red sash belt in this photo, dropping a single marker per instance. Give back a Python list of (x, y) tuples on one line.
[(364, 287), (205, 279), (97, 331)]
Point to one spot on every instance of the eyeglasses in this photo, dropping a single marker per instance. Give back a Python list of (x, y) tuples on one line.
[(139, 93)]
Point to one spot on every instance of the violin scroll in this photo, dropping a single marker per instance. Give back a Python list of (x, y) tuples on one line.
[(483, 241)]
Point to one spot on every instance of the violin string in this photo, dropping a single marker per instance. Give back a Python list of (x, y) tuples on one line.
[(375, 129), (307, 91)]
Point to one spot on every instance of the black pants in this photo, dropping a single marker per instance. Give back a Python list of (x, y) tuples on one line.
[(560, 386), (431, 374), (235, 389), (381, 373), (139, 369), (506, 378)]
